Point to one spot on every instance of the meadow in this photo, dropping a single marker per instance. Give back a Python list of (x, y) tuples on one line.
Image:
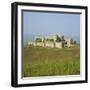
[(45, 61)]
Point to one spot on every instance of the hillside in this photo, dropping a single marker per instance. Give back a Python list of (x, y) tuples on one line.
[(44, 61)]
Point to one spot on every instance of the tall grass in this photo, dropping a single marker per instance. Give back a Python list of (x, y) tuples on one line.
[(41, 61)]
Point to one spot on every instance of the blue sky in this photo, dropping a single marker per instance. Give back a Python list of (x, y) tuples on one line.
[(43, 23)]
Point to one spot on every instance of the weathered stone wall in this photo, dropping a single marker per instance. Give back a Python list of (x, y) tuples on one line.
[(49, 44), (51, 41), (38, 44), (59, 44)]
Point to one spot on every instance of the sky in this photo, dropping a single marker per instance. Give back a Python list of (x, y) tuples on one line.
[(43, 23)]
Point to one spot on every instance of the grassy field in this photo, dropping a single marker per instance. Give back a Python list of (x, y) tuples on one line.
[(44, 61)]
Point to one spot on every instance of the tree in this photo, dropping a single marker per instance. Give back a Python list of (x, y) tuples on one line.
[(74, 42), (58, 39)]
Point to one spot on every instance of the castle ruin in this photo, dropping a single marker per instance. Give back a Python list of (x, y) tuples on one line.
[(52, 41)]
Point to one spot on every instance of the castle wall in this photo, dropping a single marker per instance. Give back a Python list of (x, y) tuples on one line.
[(52, 43), (38, 44), (49, 44), (59, 44)]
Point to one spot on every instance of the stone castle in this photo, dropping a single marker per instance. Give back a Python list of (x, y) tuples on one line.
[(52, 41)]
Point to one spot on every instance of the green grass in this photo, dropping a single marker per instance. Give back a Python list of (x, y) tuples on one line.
[(44, 61)]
